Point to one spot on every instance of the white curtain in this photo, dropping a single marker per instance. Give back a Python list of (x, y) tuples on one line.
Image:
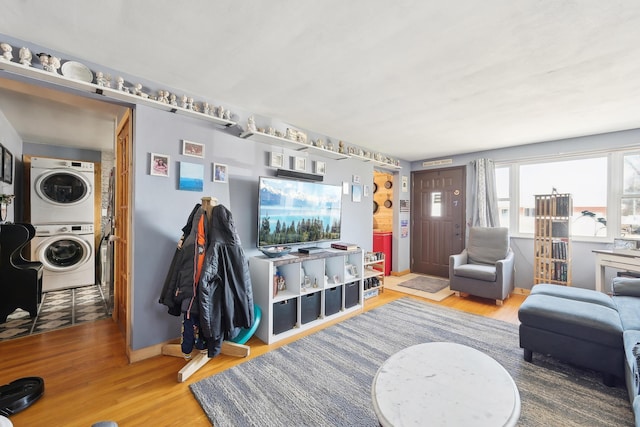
[(484, 198)]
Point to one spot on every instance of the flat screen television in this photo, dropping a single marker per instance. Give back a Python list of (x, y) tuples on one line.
[(297, 212)]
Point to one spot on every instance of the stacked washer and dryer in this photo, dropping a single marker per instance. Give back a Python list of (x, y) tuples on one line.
[(62, 211)]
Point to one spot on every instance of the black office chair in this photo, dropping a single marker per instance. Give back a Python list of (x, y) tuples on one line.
[(21, 279)]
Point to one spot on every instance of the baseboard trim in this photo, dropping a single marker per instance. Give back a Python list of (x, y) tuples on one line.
[(400, 273), (148, 352), (521, 291)]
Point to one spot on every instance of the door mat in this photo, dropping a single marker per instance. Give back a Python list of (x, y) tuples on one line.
[(427, 284), (429, 287)]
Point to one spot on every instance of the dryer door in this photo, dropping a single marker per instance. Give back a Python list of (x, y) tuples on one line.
[(64, 252), (62, 187)]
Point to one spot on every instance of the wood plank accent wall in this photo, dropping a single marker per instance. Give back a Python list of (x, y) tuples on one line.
[(383, 218)]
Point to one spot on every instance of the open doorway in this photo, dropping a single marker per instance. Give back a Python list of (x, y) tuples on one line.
[(383, 215), (49, 121)]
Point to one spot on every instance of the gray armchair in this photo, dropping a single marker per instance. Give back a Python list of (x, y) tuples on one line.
[(486, 267)]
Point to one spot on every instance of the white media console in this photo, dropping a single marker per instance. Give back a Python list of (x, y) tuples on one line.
[(298, 291)]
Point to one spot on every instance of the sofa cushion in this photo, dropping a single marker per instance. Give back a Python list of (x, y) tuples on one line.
[(482, 272), (629, 312), (487, 245), (578, 294), (626, 286), (578, 319)]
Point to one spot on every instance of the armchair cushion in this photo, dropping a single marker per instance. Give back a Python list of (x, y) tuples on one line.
[(483, 272), (487, 245)]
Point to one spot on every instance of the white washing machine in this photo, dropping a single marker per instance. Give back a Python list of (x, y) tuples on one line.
[(67, 252), (61, 191)]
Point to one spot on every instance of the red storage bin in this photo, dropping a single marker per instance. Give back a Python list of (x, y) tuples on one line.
[(382, 243)]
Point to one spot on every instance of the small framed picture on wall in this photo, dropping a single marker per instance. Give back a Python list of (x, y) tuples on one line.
[(320, 167), (191, 176), (220, 173), (300, 164), (276, 160), (7, 166), (159, 165), (193, 149)]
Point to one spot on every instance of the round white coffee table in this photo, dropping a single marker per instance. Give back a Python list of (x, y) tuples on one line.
[(442, 383)]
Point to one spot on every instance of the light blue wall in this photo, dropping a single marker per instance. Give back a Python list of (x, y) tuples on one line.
[(583, 259), (161, 210)]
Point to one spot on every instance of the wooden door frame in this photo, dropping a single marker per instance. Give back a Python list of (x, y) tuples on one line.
[(125, 223)]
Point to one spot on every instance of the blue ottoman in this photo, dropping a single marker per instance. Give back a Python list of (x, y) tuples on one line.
[(574, 325)]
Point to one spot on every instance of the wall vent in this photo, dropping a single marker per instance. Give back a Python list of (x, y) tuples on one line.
[(437, 163)]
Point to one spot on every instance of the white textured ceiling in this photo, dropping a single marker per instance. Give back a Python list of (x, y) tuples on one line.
[(413, 79)]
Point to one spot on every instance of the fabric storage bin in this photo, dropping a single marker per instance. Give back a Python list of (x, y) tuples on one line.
[(332, 300), (351, 294), (285, 315), (310, 307)]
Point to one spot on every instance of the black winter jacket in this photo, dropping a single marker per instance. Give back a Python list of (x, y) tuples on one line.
[(177, 290), (225, 292)]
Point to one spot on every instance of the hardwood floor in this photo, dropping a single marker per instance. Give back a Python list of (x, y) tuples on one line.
[(88, 378)]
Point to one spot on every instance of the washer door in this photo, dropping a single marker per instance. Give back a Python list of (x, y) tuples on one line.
[(62, 187), (64, 252)]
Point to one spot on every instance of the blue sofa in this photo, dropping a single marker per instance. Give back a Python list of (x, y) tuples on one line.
[(589, 329)]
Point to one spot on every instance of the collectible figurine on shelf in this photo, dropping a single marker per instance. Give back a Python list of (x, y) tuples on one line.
[(101, 80), (251, 124), (44, 60), (7, 50), (205, 108), (137, 89), (301, 137), (173, 99), (220, 112), (120, 83), (291, 134), (54, 64), (183, 101), (163, 96), (341, 147), (226, 115), (25, 56)]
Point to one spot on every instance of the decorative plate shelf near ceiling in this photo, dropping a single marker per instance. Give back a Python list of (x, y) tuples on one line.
[(80, 85), (295, 145), (379, 163)]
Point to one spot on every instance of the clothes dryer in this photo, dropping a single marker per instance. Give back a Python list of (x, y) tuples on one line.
[(67, 252), (61, 191)]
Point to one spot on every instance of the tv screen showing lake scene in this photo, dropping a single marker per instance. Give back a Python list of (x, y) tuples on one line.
[(291, 211)]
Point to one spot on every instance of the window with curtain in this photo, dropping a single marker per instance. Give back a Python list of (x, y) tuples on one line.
[(504, 199), (630, 199)]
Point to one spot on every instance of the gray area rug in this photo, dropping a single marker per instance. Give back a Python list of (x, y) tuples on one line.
[(426, 284), (325, 379)]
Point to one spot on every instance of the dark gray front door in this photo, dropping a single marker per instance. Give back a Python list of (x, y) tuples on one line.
[(438, 212)]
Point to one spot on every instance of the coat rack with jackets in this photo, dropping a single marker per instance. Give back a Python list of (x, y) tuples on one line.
[(209, 285)]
